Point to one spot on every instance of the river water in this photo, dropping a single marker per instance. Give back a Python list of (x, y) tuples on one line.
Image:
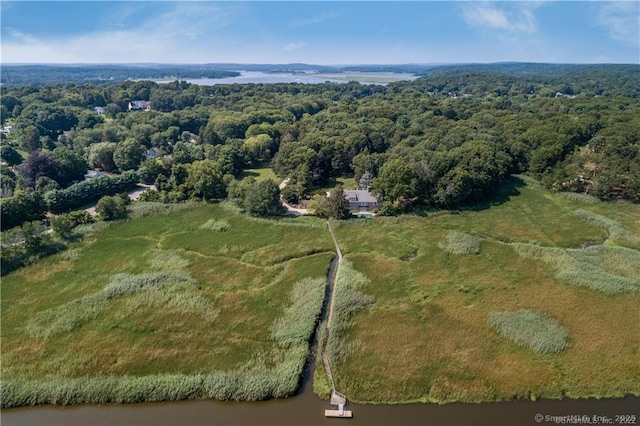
[(307, 78)]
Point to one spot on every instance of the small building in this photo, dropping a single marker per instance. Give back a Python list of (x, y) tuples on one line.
[(98, 110), (7, 129), (140, 106), (360, 199), (92, 174), (152, 152)]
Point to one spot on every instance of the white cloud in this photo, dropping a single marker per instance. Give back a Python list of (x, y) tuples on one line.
[(183, 33), (621, 21), (519, 16), (293, 46)]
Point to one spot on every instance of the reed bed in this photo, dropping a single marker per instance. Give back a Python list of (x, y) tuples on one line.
[(255, 381), (348, 300), (616, 232), (216, 225), (581, 198), (532, 330), (607, 269), (141, 209), (460, 243)]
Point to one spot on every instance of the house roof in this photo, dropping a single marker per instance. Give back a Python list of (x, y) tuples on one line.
[(360, 195)]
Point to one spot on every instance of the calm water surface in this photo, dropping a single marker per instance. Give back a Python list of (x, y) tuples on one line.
[(307, 409), (308, 78)]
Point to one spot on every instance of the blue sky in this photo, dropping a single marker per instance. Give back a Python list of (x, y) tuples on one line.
[(321, 32)]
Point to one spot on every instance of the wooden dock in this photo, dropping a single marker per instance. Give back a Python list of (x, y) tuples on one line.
[(344, 414)]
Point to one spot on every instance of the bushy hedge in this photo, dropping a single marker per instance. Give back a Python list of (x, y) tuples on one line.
[(62, 200)]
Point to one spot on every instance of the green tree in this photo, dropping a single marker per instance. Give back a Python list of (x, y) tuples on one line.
[(335, 206), (204, 181), (128, 154), (34, 236), (338, 204), (397, 182), (111, 208), (10, 155), (72, 166), (100, 155), (263, 198)]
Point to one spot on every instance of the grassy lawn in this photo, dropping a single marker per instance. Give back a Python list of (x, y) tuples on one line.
[(160, 295), (262, 174), (431, 333)]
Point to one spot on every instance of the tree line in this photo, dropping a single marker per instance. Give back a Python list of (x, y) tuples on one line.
[(445, 140)]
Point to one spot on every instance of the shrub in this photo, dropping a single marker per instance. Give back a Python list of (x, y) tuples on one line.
[(460, 243), (111, 208), (531, 330)]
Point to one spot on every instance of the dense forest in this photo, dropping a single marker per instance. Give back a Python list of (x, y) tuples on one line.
[(41, 75), (443, 141)]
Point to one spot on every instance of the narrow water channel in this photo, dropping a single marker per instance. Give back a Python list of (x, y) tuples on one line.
[(306, 409)]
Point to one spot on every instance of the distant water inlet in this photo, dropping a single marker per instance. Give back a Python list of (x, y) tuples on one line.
[(247, 77)]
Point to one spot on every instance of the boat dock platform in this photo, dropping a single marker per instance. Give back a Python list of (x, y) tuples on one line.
[(340, 400), (346, 414)]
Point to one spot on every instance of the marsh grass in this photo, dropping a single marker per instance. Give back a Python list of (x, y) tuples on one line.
[(251, 382), (299, 319), (532, 330), (616, 232), (216, 225), (196, 336), (582, 198), (607, 269), (73, 314), (92, 228), (349, 299), (179, 297), (142, 209), (163, 260), (460, 243), (71, 254)]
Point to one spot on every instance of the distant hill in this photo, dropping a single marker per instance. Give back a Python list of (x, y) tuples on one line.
[(53, 74), (41, 75)]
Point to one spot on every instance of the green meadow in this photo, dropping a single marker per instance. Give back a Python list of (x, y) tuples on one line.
[(509, 300), (194, 303)]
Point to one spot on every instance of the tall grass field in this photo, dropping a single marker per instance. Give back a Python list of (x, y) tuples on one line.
[(532, 295), (179, 303)]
